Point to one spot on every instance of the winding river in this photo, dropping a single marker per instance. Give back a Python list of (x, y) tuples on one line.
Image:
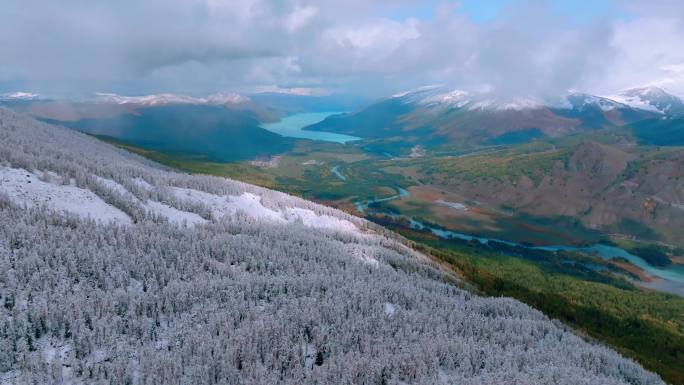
[(361, 206), (336, 170), (669, 279)]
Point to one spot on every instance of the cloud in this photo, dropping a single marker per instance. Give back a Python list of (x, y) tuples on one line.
[(536, 52), (204, 46), (648, 51), (300, 17), (75, 43)]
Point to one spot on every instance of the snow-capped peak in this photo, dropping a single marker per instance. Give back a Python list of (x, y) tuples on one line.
[(19, 96), (417, 91), (515, 104), (439, 97), (226, 98), (651, 98), (454, 98), (647, 92), (164, 99), (436, 97), (582, 101)]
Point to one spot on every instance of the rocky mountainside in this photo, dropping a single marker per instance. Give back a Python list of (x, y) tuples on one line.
[(613, 187), (116, 270)]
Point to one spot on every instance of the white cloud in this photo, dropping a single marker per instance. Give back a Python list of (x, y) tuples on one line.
[(648, 51), (383, 35), (300, 17), (206, 46)]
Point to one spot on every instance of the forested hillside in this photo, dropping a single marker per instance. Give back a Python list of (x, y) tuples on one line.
[(212, 132), (114, 270)]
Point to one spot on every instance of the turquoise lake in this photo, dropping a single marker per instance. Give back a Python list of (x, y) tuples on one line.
[(291, 127)]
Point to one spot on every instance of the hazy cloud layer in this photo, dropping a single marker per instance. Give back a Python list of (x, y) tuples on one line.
[(77, 47)]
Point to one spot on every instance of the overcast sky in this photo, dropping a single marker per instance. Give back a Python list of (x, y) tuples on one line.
[(369, 47)]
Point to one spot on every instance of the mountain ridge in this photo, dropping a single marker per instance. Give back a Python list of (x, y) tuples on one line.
[(653, 98), (444, 116)]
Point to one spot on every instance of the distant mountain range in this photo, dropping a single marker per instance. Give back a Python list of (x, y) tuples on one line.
[(435, 115), (432, 116), (648, 98), (218, 99), (276, 103)]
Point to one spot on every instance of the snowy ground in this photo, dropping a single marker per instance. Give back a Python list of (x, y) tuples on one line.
[(27, 188), (174, 215), (110, 184), (311, 219), (250, 204), (142, 183)]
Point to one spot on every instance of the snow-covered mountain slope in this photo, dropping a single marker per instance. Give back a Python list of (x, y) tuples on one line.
[(164, 99), (441, 97), (648, 98), (651, 98), (33, 190), (250, 286), (581, 101), (437, 115)]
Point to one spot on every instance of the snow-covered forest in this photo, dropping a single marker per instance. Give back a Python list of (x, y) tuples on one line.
[(114, 270)]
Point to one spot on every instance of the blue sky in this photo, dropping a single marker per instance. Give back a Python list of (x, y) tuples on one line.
[(482, 11)]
